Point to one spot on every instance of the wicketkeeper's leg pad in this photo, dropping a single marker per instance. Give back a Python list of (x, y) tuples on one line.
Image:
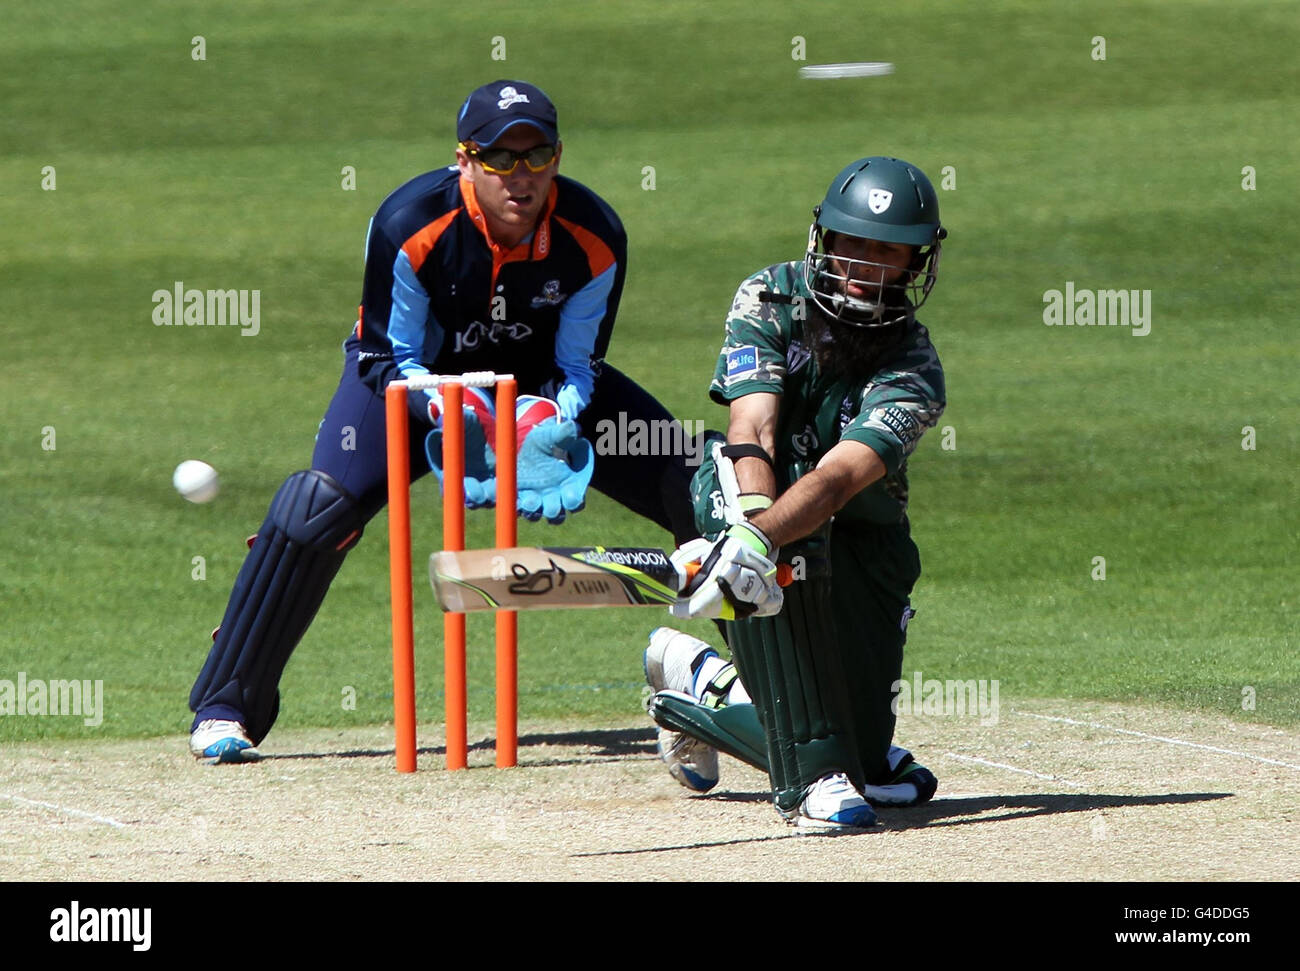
[(312, 523), (792, 667)]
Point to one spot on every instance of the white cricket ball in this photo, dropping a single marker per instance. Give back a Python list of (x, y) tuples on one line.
[(196, 481)]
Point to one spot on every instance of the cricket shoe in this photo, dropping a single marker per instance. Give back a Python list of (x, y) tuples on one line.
[(671, 661), (909, 783), (217, 740), (833, 803)]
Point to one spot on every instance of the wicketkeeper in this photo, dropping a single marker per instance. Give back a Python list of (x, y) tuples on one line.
[(495, 263), (830, 381)]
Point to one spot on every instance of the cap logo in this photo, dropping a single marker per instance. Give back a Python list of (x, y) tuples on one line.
[(878, 200), (509, 96)]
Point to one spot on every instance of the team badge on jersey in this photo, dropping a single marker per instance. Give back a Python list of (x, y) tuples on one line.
[(796, 356), (848, 409), (742, 360), (878, 200), (805, 442), (550, 295)]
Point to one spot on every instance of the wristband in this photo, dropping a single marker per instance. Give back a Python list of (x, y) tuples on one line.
[(748, 450), (752, 537)]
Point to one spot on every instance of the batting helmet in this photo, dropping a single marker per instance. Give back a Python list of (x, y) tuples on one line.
[(877, 198)]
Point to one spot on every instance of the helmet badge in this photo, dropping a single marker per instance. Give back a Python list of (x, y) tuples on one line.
[(878, 200)]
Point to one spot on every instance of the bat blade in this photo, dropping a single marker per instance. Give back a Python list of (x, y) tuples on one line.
[(549, 578)]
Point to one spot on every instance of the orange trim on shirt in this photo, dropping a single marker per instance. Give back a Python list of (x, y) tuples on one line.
[(599, 256), (472, 207), (418, 247), (537, 248)]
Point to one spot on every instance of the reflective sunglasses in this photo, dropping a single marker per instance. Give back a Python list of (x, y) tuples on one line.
[(503, 161)]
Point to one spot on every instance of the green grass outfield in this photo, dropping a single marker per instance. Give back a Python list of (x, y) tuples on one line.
[(1071, 443)]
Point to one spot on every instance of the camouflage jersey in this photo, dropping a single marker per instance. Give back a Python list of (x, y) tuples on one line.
[(766, 350)]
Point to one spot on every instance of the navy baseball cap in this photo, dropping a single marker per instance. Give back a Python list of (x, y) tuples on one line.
[(495, 108)]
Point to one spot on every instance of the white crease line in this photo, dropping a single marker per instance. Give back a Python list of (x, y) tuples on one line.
[(65, 809), (1159, 738), (1012, 768)]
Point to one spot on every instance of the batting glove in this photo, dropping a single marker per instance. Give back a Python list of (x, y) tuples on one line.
[(480, 462), (736, 576), (554, 470)]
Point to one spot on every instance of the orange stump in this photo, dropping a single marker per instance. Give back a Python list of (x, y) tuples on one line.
[(507, 620)]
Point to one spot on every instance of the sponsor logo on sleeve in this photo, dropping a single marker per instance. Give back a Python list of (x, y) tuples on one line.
[(900, 421), (742, 361)]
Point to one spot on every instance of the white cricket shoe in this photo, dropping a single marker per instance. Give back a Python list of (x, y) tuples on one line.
[(670, 662), (217, 740), (833, 803)]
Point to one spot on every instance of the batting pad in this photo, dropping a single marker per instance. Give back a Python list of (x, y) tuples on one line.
[(794, 657), (734, 729)]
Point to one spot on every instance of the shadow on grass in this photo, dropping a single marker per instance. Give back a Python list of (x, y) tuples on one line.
[(967, 810)]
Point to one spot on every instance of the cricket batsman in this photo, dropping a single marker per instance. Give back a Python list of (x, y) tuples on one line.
[(830, 382)]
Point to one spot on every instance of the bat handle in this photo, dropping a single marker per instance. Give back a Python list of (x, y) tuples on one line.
[(784, 573)]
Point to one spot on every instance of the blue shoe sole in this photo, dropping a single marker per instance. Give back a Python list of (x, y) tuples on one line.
[(230, 750), (694, 780), (863, 817)]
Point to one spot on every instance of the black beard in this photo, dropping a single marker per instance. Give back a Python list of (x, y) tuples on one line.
[(842, 350)]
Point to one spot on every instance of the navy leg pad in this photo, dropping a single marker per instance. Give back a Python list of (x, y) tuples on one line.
[(312, 523)]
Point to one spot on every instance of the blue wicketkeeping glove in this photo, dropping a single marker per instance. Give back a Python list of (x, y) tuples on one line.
[(572, 402), (480, 462), (555, 466)]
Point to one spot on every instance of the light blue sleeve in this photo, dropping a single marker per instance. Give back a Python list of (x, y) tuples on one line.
[(411, 325), (575, 341)]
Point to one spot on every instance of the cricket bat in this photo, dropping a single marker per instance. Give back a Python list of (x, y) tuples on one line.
[(546, 578)]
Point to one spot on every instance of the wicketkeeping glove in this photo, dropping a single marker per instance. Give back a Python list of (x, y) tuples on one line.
[(737, 576), (480, 462), (554, 470), (572, 402)]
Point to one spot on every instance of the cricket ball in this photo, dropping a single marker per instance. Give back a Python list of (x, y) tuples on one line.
[(196, 481)]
